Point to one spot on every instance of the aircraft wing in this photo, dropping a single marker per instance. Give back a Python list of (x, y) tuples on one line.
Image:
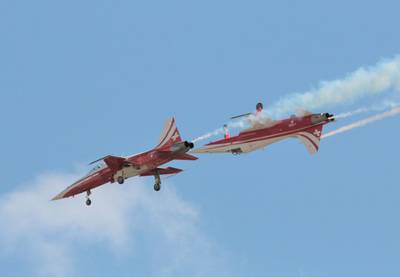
[(186, 157), (162, 171), (181, 157), (114, 162)]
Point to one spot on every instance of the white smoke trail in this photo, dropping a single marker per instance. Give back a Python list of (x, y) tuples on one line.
[(375, 80), (366, 121), (216, 132), (376, 108), (241, 124), (355, 112)]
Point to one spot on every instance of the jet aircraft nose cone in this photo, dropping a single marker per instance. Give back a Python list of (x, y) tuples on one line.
[(58, 196)]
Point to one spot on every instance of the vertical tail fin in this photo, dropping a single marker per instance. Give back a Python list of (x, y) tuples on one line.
[(170, 134), (311, 138)]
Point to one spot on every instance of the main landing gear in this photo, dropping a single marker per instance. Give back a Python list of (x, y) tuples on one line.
[(88, 201), (157, 185), (120, 180)]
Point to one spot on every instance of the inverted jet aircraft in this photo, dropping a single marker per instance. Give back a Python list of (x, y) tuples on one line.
[(307, 128), (118, 169)]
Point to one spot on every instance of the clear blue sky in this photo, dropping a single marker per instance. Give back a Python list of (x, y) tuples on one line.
[(81, 79)]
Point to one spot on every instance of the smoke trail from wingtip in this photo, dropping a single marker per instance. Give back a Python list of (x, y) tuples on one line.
[(393, 112), (374, 80)]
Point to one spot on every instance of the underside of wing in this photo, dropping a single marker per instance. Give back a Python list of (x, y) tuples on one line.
[(162, 171), (185, 157)]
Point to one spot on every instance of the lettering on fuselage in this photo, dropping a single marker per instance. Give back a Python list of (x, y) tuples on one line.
[(292, 123)]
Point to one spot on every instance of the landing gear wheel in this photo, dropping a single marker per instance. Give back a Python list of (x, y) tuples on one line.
[(120, 180), (157, 185), (88, 201)]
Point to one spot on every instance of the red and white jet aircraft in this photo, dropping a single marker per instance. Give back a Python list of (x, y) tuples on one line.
[(307, 128), (171, 147)]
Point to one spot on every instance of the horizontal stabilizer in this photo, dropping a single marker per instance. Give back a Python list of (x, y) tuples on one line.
[(162, 171)]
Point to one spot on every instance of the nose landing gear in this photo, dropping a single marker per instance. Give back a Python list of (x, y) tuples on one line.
[(120, 180)]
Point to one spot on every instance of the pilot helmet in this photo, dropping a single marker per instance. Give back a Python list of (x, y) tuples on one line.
[(259, 107)]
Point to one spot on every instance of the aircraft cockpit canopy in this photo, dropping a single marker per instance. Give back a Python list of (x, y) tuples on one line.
[(98, 167)]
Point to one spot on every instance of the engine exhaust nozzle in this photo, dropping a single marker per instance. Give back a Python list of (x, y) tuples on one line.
[(189, 145)]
